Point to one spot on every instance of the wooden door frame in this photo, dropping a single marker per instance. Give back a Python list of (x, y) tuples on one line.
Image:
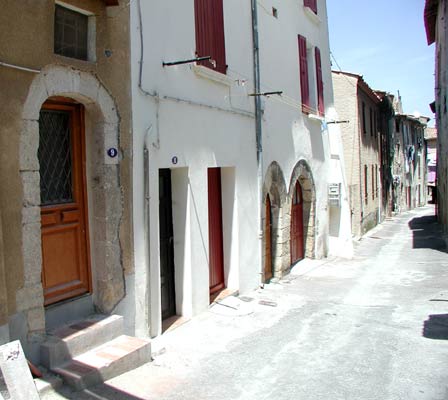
[(59, 103)]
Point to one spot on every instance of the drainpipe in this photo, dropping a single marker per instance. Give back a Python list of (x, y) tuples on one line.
[(258, 133)]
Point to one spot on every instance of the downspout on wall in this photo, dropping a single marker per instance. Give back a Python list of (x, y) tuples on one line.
[(258, 131)]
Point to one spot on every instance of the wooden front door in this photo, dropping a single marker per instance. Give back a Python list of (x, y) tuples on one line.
[(215, 236), (268, 239), (64, 229), (297, 224), (167, 287)]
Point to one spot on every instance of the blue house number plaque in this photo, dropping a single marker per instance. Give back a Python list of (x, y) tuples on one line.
[(112, 152)]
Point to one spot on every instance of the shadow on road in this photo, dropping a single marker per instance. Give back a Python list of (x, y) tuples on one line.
[(436, 327), (427, 233)]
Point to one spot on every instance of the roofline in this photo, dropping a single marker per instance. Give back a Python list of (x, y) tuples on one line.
[(362, 85)]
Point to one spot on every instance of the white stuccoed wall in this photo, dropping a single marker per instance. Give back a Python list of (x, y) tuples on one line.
[(220, 135), (290, 135), (221, 132)]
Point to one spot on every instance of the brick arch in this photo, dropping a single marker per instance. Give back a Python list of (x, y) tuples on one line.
[(104, 191), (302, 173)]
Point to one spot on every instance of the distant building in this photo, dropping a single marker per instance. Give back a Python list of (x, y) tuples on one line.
[(360, 109), (409, 162)]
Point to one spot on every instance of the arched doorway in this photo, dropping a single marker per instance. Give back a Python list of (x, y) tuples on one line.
[(268, 241), (103, 193), (297, 247)]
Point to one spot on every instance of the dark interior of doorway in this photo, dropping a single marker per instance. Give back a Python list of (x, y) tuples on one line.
[(167, 285)]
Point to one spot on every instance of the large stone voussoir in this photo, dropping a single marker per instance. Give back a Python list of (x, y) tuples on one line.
[(31, 188), (29, 143)]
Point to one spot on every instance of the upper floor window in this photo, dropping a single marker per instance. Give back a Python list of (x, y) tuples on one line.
[(74, 33), (311, 83), (319, 83), (371, 121), (304, 79), (373, 182), (210, 41), (364, 128), (312, 4), (366, 182)]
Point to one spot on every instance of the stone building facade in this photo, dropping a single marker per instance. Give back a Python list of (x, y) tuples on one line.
[(359, 107), (409, 163), (76, 95)]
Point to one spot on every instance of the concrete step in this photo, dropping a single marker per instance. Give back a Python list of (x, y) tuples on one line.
[(71, 340), (105, 362)]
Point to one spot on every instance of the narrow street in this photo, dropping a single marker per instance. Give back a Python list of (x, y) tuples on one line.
[(374, 327)]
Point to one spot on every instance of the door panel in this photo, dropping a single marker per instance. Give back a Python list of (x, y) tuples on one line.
[(216, 261), (268, 239), (167, 284), (65, 260), (297, 247)]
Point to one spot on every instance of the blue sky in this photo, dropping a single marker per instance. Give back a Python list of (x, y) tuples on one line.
[(385, 41)]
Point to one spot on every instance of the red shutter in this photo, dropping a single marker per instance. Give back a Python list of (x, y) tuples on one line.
[(210, 41), (304, 83), (320, 83), (311, 4)]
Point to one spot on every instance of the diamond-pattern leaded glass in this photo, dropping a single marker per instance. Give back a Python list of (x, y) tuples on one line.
[(55, 157)]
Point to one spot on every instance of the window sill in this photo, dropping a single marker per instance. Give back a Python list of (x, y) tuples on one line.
[(214, 76), (313, 17)]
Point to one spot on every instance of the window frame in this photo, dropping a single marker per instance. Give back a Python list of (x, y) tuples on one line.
[(90, 31)]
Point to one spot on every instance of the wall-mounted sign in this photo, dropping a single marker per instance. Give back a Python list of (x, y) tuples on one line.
[(174, 160), (112, 152), (334, 194)]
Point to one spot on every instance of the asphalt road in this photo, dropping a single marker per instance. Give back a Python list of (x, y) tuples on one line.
[(374, 327)]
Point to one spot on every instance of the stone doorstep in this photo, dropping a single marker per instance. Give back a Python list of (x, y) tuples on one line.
[(71, 340), (105, 362)]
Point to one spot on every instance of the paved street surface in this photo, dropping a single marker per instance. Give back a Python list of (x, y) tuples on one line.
[(374, 327)]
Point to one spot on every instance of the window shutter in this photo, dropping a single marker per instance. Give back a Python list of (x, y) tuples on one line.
[(210, 41), (311, 4), (320, 83), (304, 82)]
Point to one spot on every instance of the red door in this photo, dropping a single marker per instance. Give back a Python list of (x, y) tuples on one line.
[(297, 225), (216, 263), (268, 239)]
